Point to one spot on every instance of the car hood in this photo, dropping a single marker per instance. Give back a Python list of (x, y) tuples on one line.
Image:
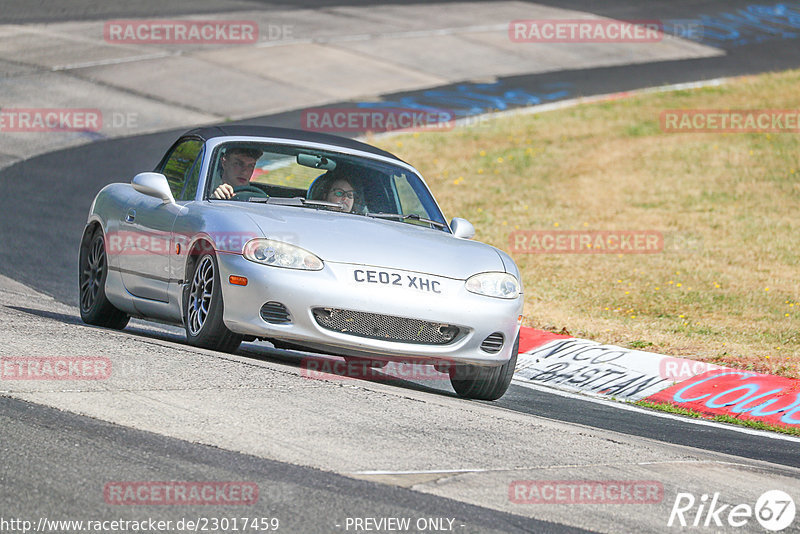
[(346, 238)]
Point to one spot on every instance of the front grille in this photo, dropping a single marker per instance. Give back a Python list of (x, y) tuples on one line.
[(386, 327), (276, 313), (493, 343)]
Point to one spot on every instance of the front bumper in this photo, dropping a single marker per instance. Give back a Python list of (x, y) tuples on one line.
[(351, 287)]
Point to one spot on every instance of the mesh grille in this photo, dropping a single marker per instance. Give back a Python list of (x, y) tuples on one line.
[(275, 312), (493, 343), (388, 327)]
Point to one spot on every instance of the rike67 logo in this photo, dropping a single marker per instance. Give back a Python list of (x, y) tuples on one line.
[(774, 510)]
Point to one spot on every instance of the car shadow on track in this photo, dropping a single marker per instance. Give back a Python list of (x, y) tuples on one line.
[(61, 317), (313, 366), (316, 366)]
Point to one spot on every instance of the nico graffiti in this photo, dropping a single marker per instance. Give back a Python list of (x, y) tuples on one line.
[(581, 365)]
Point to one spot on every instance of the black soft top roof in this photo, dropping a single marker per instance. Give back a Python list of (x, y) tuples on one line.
[(209, 132)]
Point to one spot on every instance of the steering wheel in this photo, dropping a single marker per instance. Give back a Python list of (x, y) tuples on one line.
[(246, 192)]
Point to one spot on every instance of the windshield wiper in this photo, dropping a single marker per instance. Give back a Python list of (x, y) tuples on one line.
[(401, 217), (300, 201), (322, 204)]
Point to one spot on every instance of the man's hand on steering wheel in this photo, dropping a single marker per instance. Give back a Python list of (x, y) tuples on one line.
[(224, 191), (244, 192)]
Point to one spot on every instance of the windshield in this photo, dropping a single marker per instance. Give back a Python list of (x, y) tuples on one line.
[(311, 178)]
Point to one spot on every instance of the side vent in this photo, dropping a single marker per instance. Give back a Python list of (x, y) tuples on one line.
[(275, 313), (493, 343)]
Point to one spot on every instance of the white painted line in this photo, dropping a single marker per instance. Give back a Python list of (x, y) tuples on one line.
[(540, 467), (654, 413), (428, 472), (411, 34), (115, 61)]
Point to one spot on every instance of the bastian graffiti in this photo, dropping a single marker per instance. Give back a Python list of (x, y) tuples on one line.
[(581, 365)]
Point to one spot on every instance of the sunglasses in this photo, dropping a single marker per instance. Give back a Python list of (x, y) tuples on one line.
[(339, 193)]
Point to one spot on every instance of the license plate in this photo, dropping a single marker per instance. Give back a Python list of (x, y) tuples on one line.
[(394, 279)]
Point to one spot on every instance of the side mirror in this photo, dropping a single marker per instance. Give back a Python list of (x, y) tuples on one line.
[(462, 228), (153, 184)]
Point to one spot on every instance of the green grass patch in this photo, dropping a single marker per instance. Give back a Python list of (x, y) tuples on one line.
[(725, 287), (749, 423)]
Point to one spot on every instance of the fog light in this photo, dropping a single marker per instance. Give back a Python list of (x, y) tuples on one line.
[(447, 332), (323, 315)]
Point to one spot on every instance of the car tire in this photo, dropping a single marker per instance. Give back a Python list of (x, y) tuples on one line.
[(94, 306), (484, 383), (203, 309)]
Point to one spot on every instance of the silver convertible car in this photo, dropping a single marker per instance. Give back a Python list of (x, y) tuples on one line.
[(307, 241)]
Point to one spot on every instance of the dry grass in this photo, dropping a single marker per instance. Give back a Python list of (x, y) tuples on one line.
[(726, 288)]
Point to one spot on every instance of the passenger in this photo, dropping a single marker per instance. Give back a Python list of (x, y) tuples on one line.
[(237, 167), (341, 192)]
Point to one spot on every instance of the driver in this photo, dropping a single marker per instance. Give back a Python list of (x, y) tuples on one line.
[(237, 167)]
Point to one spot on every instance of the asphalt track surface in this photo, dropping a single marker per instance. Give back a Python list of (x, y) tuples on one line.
[(26, 11), (43, 205), (583, 411), (73, 465), (667, 430)]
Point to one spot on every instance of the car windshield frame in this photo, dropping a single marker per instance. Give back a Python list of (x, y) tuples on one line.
[(374, 162)]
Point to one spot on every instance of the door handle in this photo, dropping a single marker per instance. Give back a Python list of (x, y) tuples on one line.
[(130, 216)]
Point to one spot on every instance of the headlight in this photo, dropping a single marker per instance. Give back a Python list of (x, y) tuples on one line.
[(279, 254), (500, 285)]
